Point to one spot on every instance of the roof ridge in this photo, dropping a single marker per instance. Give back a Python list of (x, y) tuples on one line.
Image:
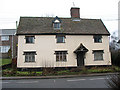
[(59, 17)]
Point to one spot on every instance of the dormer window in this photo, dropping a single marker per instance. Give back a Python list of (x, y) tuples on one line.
[(56, 23)]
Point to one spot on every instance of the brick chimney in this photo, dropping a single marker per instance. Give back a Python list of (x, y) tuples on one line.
[(74, 11)]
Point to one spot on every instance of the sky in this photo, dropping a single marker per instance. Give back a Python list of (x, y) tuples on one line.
[(11, 10)]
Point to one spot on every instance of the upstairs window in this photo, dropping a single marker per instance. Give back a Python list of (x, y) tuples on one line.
[(4, 38), (56, 25), (29, 56), (97, 38), (29, 39), (60, 38), (98, 55), (61, 55)]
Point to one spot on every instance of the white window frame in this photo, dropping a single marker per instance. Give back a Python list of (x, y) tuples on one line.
[(29, 56), (4, 49), (5, 38), (57, 25), (62, 56)]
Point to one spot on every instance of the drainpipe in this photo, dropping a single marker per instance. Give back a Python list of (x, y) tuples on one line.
[(12, 46)]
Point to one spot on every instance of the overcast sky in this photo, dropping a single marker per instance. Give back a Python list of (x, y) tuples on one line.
[(11, 10)]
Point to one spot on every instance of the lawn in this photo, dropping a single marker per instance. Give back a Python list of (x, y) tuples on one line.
[(5, 61)]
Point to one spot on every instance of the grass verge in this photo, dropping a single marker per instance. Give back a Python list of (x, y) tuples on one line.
[(75, 71), (5, 61)]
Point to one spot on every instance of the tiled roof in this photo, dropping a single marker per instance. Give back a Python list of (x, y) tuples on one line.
[(44, 25)]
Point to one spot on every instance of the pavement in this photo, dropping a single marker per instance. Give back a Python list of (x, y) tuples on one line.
[(54, 77)]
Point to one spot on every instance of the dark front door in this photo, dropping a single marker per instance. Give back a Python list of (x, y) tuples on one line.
[(80, 59)]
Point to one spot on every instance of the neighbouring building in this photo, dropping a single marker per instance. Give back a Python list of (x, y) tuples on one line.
[(8, 41), (62, 42), (119, 22)]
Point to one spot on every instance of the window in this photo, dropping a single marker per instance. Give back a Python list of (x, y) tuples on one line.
[(30, 39), (56, 25), (98, 55), (97, 38), (61, 55), (60, 38), (29, 56), (4, 38), (4, 49)]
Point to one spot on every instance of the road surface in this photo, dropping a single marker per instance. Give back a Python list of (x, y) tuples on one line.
[(76, 82)]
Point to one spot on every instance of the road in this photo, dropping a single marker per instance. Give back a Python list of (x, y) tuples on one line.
[(76, 82)]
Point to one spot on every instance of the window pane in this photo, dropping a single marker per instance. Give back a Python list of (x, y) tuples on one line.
[(4, 38), (26, 58), (5, 49), (61, 56), (98, 55), (29, 39), (56, 25), (60, 39), (98, 38), (64, 57), (57, 57), (29, 56)]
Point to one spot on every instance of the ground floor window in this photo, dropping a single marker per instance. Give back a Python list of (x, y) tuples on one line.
[(4, 49), (29, 56), (98, 55), (61, 55)]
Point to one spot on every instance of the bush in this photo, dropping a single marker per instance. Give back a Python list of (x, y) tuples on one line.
[(115, 57), (48, 71), (76, 69)]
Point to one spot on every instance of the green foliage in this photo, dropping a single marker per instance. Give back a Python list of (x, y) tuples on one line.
[(10, 53), (48, 71), (10, 72), (5, 61), (115, 57), (51, 71)]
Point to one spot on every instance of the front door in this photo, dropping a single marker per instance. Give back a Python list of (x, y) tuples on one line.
[(80, 59)]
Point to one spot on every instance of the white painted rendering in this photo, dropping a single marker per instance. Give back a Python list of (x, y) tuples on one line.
[(45, 47), (56, 21)]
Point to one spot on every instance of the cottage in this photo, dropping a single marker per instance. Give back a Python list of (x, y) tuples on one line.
[(62, 42)]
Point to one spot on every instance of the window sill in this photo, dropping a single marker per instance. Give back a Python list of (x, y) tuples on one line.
[(5, 41), (29, 62), (57, 28), (97, 42), (61, 61), (98, 60), (60, 42), (29, 43)]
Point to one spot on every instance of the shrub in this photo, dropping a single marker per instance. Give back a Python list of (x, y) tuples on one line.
[(48, 71), (76, 69)]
